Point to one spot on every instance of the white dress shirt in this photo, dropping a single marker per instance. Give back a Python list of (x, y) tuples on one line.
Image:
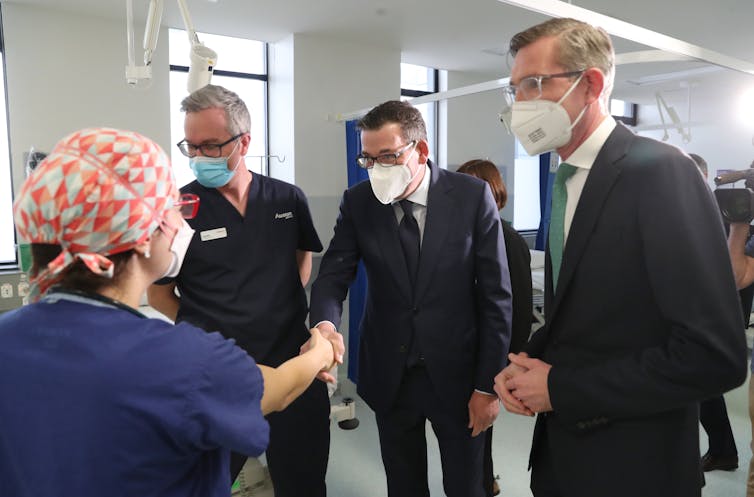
[(419, 198), (583, 158)]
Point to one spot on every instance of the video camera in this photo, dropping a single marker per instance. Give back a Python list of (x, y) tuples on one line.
[(736, 204)]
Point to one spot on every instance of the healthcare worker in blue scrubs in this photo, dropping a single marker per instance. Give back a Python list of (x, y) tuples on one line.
[(244, 276), (97, 399)]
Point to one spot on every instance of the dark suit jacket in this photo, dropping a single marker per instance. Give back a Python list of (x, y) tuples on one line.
[(460, 311), (519, 267), (645, 323)]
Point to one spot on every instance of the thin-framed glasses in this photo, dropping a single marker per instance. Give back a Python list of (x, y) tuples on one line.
[(390, 159), (530, 87), (188, 205), (213, 150)]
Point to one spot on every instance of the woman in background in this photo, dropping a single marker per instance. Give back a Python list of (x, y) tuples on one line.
[(97, 399), (519, 260)]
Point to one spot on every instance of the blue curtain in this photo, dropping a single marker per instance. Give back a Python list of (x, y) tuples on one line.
[(546, 179), (358, 291)]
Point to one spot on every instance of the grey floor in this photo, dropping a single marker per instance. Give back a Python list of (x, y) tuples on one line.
[(355, 468)]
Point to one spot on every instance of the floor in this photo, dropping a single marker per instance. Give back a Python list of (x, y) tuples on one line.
[(355, 468)]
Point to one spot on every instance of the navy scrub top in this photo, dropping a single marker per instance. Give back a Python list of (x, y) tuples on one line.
[(240, 275), (101, 401)]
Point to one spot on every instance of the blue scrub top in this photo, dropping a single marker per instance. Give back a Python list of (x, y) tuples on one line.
[(240, 275), (98, 401)]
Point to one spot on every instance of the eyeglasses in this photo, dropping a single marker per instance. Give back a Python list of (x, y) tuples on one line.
[(530, 88), (188, 205), (213, 150), (367, 162)]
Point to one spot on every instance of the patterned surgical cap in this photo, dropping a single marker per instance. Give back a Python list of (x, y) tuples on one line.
[(101, 191)]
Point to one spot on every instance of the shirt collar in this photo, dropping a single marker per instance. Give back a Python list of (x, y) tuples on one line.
[(419, 196), (584, 156)]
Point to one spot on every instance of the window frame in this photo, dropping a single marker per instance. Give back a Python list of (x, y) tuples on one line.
[(264, 77), (11, 264), (408, 93)]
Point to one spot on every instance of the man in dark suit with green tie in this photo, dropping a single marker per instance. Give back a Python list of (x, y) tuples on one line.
[(642, 315)]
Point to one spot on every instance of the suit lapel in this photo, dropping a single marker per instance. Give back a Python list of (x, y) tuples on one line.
[(598, 184), (440, 217), (386, 226)]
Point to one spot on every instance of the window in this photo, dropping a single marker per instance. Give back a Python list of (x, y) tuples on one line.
[(8, 254), (242, 68), (623, 111), (417, 81), (526, 214)]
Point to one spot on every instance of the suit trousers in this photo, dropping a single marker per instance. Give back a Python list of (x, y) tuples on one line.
[(488, 473), (750, 479), (404, 446), (714, 418), (299, 445)]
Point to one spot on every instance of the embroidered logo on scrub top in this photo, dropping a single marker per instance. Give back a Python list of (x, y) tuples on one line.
[(213, 234), (284, 215)]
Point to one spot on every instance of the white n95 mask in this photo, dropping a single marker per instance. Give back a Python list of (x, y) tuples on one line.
[(389, 182), (178, 248), (543, 125)]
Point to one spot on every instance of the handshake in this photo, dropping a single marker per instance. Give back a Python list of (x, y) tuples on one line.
[(325, 335)]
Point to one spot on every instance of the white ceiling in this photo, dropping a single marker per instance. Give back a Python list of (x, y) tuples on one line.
[(460, 34)]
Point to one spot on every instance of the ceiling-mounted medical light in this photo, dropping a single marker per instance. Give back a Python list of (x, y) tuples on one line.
[(203, 59), (674, 118)]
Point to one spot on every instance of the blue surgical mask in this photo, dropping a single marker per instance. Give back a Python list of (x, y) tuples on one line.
[(213, 172)]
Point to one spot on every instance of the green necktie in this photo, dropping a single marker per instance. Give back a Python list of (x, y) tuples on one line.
[(557, 218)]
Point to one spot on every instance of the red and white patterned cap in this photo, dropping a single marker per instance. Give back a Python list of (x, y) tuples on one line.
[(101, 191)]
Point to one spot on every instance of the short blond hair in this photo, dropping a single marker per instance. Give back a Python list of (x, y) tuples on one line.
[(580, 46)]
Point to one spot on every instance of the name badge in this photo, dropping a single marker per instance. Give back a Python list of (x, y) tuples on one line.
[(213, 234)]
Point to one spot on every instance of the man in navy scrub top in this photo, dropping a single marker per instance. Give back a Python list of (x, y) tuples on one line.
[(244, 275)]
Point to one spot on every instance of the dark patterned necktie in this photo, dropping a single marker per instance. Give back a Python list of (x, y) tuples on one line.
[(408, 231)]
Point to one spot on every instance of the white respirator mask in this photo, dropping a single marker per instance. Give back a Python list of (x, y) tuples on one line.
[(390, 181), (543, 125)]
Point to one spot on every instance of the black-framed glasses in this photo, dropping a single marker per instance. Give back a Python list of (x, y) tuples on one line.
[(530, 87), (188, 205), (390, 159), (213, 150)]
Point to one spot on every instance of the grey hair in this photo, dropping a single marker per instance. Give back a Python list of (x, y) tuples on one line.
[(580, 46), (214, 96)]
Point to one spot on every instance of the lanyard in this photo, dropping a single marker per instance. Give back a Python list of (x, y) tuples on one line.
[(58, 293)]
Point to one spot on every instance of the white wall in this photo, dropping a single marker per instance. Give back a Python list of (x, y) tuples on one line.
[(329, 76), (717, 134), (475, 131), (65, 72)]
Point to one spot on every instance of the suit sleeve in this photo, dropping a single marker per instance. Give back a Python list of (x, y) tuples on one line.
[(685, 257), (336, 271), (493, 293)]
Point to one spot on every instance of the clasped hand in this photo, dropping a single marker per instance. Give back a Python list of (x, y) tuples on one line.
[(522, 385), (329, 333)]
